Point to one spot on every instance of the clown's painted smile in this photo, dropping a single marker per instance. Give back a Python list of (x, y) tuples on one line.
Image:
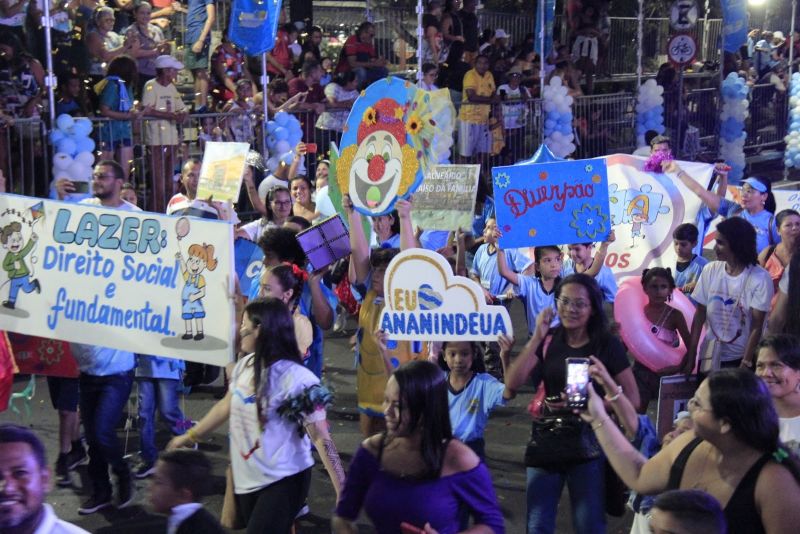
[(376, 172)]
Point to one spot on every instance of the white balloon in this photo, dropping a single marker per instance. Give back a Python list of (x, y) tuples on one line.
[(555, 81), (61, 161), (85, 158)]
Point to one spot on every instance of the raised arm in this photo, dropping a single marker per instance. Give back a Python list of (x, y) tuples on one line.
[(503, 268), (359, 248), (600, 256), (712, 200), (408, 238), (527, 360), (616, 398)]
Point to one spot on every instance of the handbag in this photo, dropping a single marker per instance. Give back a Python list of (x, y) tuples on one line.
[(229, 517), (561, 440)]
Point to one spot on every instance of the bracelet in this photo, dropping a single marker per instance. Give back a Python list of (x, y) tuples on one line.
[(615, 397), (601, 423), (192, 435)]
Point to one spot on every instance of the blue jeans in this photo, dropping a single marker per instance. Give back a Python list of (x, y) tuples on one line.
[(586, 484), (164, 391), (102, 400), (24, 283)]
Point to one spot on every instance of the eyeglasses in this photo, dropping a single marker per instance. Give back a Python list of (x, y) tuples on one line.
[(577, 305), (103, 176), (282, 202), (694, 404)]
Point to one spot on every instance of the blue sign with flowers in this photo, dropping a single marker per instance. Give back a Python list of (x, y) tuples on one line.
[(552, 203)]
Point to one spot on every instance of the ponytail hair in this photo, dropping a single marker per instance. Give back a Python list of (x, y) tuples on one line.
[(206, 252), (290, 276)]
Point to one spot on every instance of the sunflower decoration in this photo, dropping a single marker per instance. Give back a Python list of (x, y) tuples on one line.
[(370, 116), (414, 124)]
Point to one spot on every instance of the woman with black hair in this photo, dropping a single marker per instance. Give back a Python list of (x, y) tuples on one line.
[(733, 296), (583, 332), (778, 365), (785, 316), (278, 207), (733, 453), (273, 406), (416, 472)]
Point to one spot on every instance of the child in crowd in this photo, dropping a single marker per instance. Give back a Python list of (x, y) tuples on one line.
[(285, 282), (472, 393), (71, 98), (181, 478), (689, 265), (210, 130), (538, 291), (128, 193), (581, 261), (667, 324), (484, 264), (241, 127)]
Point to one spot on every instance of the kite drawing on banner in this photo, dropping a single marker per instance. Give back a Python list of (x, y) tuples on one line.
[(395, 133)]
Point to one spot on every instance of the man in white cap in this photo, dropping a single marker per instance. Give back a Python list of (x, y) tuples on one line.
[(161, 100)]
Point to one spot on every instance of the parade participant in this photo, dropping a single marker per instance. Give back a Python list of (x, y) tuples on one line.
[(180, 481), (581, 260), (538, 292), (689, 265), (275, 408), (285, 282), (668, 325), (417, 461), (25, 482), (776, 258), (778, 365), (733, 297), (734, 453), (583, 332), (366, 271), (472, 393), (485, 264)]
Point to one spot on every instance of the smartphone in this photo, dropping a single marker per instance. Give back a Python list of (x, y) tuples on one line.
[(408, 528), (577, 382), (81, 187), (311, 148)]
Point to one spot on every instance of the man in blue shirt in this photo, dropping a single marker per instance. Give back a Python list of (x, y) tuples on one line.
[(200, 19)]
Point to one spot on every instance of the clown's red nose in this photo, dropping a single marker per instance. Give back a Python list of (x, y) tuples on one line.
[(376, 168)]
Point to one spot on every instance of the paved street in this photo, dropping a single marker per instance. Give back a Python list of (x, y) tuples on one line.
[(505, 442)]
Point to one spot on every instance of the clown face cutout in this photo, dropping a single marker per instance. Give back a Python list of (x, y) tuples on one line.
[(376, 171)]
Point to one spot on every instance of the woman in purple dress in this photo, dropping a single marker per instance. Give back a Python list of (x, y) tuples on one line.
[(416, 477)]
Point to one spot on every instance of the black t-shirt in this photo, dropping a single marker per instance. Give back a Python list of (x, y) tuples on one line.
[(554, 368), (469, 25)]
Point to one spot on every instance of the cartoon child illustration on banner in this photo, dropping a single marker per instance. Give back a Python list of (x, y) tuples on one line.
[(14, 263), (394, 134), (201, 257)]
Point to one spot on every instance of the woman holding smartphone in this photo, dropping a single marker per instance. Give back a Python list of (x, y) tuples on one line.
[(583, 332)]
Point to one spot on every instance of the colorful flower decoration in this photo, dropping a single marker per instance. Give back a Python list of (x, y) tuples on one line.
[(502, 180), (370, 116), (589, 222), (414, 125), (588, 168), (296, 408)]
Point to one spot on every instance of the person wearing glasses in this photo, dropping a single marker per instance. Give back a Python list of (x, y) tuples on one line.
[(278, 204), (733, 453), (583, 332)]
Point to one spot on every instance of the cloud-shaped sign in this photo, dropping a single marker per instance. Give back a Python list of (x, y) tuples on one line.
[(426, 301)]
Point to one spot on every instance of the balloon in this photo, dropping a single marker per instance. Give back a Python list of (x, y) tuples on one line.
[(67, 146), (281, 134), (84, 144), (79, 172), (182, 227), (61, 161), (281, 147), (56, 136), (287, 158), (272, 163), (65, 122), (85, 158), (271, 126), (281, 118), (82, 127)]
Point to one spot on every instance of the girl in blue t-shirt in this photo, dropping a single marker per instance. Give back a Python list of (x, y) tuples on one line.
[(472, 393)]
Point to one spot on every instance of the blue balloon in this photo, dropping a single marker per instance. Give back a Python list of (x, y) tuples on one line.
[(271, 126), (281, 134), (271, 141), (549, 124), (65, 122), (84, 144), (660, 129), (56, 136), (287, 158), (82, 127), (67, 146), (281, 118)]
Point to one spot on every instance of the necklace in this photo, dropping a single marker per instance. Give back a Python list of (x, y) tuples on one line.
[(656, 328)]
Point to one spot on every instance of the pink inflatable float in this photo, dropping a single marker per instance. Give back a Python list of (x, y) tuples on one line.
[(636, 329)]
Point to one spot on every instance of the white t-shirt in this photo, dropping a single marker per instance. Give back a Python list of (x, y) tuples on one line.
[(51, 524), (790, 433), (256, 229), (127, 206), (262, 456), (783, 284), (158, 132), (728, 300)]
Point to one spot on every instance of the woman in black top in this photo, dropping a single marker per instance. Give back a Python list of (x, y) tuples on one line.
[(583, 332), (733, 453)]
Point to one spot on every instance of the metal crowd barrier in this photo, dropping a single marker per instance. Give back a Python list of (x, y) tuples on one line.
[(24, 157), (767, 123), (605, 124)]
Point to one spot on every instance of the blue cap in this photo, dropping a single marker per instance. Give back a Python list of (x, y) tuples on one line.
[(756, 184)]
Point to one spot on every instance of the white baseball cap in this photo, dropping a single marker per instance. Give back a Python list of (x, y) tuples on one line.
[(168, 62), (500, 34)]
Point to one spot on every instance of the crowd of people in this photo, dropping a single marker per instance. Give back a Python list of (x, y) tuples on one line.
[(729, 465)]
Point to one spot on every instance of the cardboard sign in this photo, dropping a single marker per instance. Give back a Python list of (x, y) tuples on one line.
[(222, 171), (446, 198), (557, 203), (249, 259), (673, 397), (326, 242), (128, 280), (425, 301)]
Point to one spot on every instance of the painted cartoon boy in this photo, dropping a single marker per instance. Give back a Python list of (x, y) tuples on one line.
[(14, 263)]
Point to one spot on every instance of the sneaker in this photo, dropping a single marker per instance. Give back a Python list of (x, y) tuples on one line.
[(94, 504), (76, 457), (144, 469), (62, 471), (127, 492)]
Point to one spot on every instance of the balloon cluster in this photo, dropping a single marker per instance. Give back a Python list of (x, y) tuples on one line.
[(792, 154), (73, 146), (731, 127), (558, 136), (283, 134), (649, 110)]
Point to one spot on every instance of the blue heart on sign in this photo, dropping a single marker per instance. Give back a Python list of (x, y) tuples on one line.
[(428, 298)]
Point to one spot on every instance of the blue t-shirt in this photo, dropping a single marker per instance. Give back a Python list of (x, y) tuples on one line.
[(469, 408), (196, 17), (763, 222), (392, 242), (479, 222), (484, 266), (157, 367), (433, 239), (102, 361), (536, 299), (691, 274), (605, 279)]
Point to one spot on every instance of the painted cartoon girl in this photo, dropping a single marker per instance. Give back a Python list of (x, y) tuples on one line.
[(201, 257)]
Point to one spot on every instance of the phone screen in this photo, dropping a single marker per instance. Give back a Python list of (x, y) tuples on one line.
[(81, 187), (577, 382)]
